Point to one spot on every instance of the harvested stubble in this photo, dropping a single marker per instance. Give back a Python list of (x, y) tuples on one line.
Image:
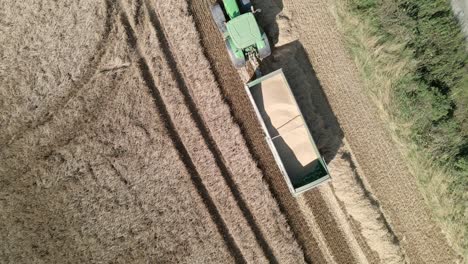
[(201, 95), (167, 90), (314, 245), (376, 243), (364, 210), (40, 47), (118, 146), (100, 180)]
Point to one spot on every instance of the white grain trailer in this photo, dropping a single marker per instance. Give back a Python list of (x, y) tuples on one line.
[(287, 133)]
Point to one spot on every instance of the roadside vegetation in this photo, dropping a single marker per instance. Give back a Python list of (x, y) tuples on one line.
[(413, 59)]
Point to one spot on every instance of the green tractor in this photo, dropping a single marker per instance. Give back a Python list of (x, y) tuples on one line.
[(242, 35)]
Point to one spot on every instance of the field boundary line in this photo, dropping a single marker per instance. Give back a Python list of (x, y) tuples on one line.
[(226, 173), (178, 143)]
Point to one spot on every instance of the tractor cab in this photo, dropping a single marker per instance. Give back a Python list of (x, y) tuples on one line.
[(242, 34), (244, 31)]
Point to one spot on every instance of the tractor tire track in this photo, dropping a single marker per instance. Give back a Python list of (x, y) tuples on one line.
[(136, 17), (178, 144), (226, 173), (90, 70)]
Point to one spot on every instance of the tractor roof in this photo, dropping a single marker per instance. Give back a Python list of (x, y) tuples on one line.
[(244, 30)]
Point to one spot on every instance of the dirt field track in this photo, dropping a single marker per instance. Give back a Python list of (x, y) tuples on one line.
[(126, 137)]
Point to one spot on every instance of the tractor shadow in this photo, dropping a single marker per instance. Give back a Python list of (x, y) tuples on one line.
[(267, 18)]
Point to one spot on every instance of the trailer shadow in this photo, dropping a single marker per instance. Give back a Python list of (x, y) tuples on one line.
[(308, 92)]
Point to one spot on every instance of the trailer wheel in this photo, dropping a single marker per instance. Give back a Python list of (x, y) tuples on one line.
[(237, 62), (219, 18), (266, 50)]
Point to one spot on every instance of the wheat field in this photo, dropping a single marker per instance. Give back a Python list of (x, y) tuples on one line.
[(89, 184), (107, 162), (126, 137)]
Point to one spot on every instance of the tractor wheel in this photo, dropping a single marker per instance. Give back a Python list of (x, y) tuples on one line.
[(245, 6), (237, 62), (265, 51), (219, 18)]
